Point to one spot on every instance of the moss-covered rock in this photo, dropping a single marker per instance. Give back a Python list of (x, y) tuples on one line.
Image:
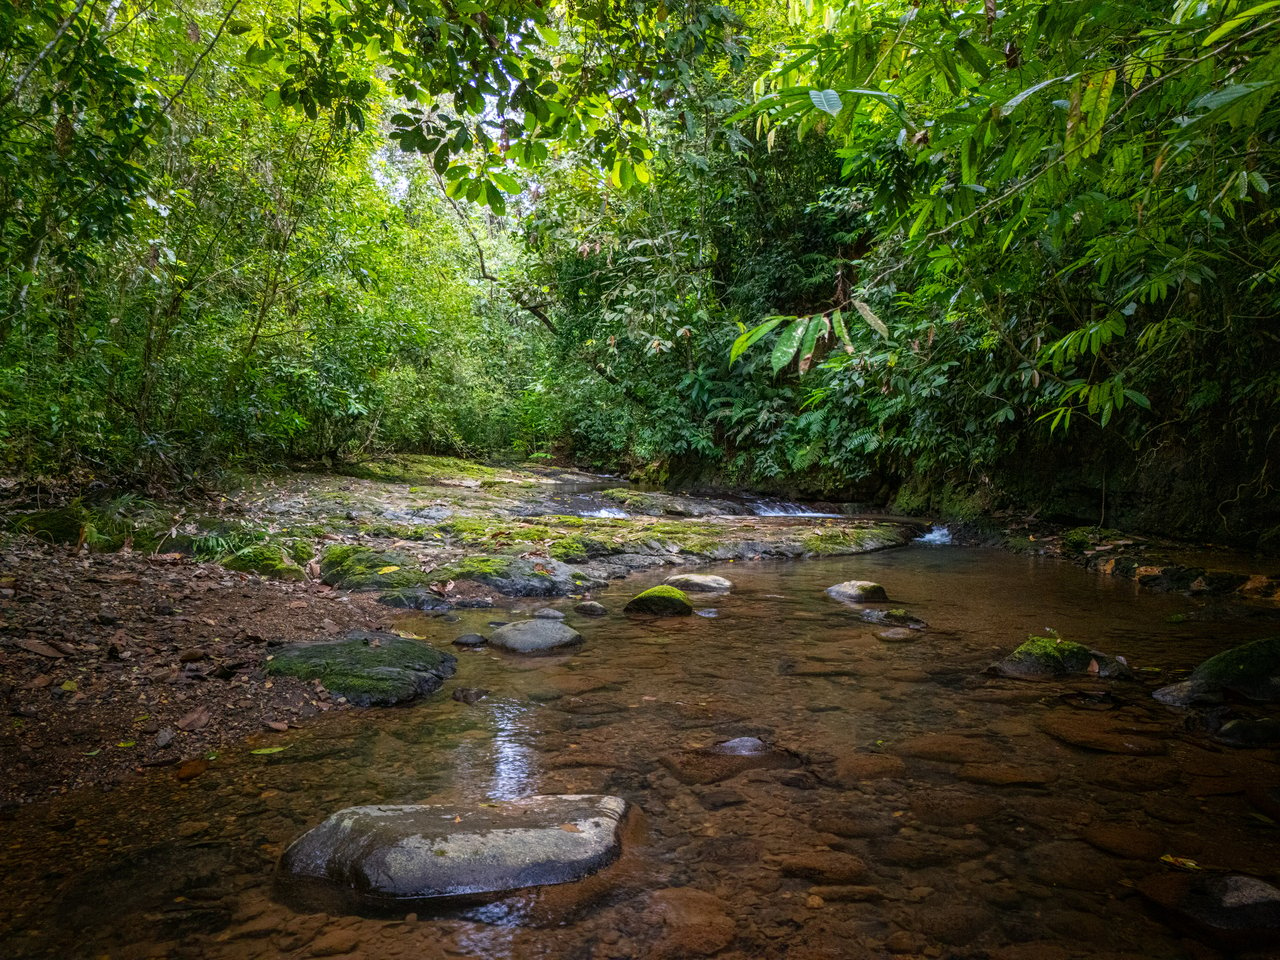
[(362, 568), (1044, 657), (369, 668), (60, 525), (662, 601), (266, 559), (857, 591), (520, 577), (1251, 671)]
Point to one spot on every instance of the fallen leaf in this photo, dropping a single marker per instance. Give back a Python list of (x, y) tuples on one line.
[(191, 769), (388, 569), (39, 647), (1182, 863), (570, 828), (264, 750), (127, 743), (195, 720), (70, 686)]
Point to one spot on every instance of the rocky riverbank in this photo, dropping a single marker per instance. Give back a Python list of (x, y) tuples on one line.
[(140, 634)]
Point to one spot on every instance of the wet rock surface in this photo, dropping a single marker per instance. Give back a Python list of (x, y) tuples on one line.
[(535, 636), (1043, 658), (1251, 671), (699, 583), (659, 602), (723, 761), (1233, 910), (384, 856), (857, 591), (368, 667)]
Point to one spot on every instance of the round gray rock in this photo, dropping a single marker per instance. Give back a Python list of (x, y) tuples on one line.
[(700, 583), (534, 636), (589, 608), (857, 591), (548, 613), (393, 856)]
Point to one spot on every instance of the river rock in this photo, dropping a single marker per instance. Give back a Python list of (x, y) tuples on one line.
[(725, 760), (824, 866), (470, 640), (688, 922), (352, 567), (1251, 671), (589, 608), (1235, 910), (661, 601), (534, 636), (857, 591), (897, 635), (699, 583), (548, 613), (396, 856), (1249, 732), (368, 667), (1094, 731), (1125, 840), (1041, 658)]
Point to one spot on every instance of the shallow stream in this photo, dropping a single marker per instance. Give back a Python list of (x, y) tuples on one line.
[(982, 834)]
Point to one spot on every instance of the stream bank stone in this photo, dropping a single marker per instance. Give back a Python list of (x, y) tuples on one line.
[(1251, 671), (519, 577), (350, 567), (660, 602), (699, 583), (1042, 658), (589, 608), (857, 591), (368, 667), (395, 856), (535, 636)]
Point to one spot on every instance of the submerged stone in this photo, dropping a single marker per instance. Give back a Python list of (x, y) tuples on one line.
[(724, 760), (534, 636), (857, 591), (1044, 657), (700, 583), (368, 667), (661, 601), (1235, 910), (398, 856), (589, 608), (1251, 671)]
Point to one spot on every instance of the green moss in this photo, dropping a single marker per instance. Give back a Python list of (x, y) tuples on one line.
[(1251, 662), (361, 568), (569, 550), (1051, 655), (269, 560), (419, 469), (660, 601), (391, 670), (474, 568), (640, 502)]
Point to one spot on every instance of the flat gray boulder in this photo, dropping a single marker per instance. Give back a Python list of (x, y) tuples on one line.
[(857, 591), (700, 583), (397, 856), (535, 636)]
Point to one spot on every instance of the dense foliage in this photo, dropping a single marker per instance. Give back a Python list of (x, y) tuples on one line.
[(978, 249)]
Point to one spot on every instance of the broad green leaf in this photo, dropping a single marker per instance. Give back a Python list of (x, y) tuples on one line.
[(874, 322), (788, 343), (816, 327), (749, 337), (1012, 104), (261, 751), (827, 101)]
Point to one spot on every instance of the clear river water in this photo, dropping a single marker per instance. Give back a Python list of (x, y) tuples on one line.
[(979, 828)]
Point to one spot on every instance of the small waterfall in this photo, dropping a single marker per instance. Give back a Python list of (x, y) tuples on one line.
[(780, 508), (938, 535), (606, 513)]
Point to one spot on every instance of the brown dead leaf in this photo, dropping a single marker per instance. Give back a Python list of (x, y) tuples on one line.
[(570, 828), (39, 647), (197, 719)]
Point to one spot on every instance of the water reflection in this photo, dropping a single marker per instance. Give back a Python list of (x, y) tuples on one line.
[(513, 761)]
